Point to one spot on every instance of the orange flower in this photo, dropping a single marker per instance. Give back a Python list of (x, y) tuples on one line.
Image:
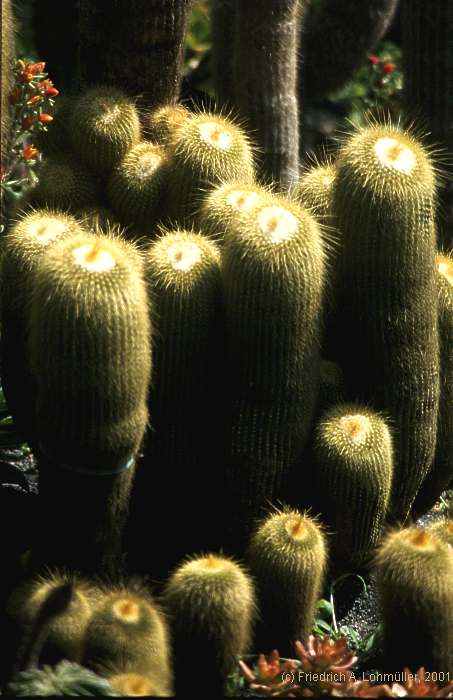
[(26, 76), (34, 68), (388, 68), (45, 118), (34, 100), (51, 92), (30, 152)]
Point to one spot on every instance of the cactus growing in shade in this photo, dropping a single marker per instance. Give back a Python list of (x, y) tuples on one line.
[(265, 81), (104, 125), (314, 190), (127, 634), (162, 124), (209, 150), (441, 474), (443, 530), (25, 243), (211, 606), (354, 468), (414, 572), (55, 138), (225, 203), (96, 218), (387, 298), (90, 355), (64, 183), (331, 385), (273, 274), (287, 553), (186, 397), (136, 185), (65, 632)]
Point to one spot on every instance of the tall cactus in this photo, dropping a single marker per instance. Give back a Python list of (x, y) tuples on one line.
[(151, 35), (273, 273), (90, 355), (387, 297), (7, 75), (265, 82)]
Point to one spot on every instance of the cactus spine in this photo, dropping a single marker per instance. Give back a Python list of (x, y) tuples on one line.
[(314, 190), (443, 530), (287, 553), (414, 572), (387, 297), (91, 359), (136, 185), (208, 150), (104, 125), (265, 82), (25, 243), (354, 469), (163, 123), (127, 633), (273, 270), (184, 284), (132, 684), (64, 183), (441, 474), (210, 602)]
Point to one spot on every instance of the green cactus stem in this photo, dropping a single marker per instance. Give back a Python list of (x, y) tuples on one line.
[(64, 183), (287, 553), (209, 150), (128, 633), (314, 190), (104, 125), (265, 82), (24, 244), (354, 470), (55, 138), (151, 34), (441, 474), (211, 607), (387, 333), (273, 274), (90, 355), (163, 123), (443, 530), (136, 185), (414, 572)]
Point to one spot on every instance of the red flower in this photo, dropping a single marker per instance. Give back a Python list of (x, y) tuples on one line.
[(374, 60), (45, 118), (26, 76), (388, 68), (35, 68), (34, 100), (51, 92), (30, 152)]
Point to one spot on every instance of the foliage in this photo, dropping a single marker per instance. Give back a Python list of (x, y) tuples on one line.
[(66, 678)]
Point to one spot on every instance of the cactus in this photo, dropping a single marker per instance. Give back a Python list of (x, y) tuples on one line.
[(163, 123), (441, 474), (90, 356), (7, 49), (265, 82), (226, 203), (210, 603), (287, 553), (414, 573), (314, 190), (135, 187), (354, 469), (65, 632), (127, 684), (127, 633), (387, 301), (66, 678), (104, 125), (223, 26), (331, 385), (24, 244), (64, 183), (443, 530), (273, 270), (96, 218), (151, 35), (208, 150), (186, 398)]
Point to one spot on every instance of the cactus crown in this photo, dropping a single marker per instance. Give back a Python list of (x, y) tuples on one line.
[(417, 547), (289, 532), (445, 269), (353, 429), (164, 122), (133, 684), (64, 183)]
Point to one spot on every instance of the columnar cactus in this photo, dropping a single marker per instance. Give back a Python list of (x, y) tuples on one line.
[(211, 606), (354, 470), (314, 190), (441, 474), (24, 244), (287, 556), (414, 571), (208, 150), (265, 82), (7, 49), (136, 185), (273, 273), (90, 355), (127, 634), (186, 398), (104, 125), (387, 297)]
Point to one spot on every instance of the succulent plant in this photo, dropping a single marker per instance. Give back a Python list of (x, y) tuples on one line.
[(67, 678)]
